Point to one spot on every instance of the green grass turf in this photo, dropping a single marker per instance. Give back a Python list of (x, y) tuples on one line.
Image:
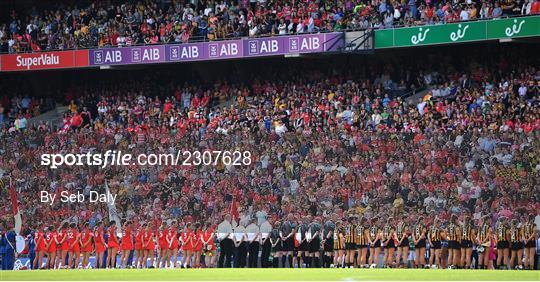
[(272, 275)]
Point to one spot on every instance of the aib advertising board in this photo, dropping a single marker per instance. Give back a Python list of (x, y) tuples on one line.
[(229, 49), (152, 54)]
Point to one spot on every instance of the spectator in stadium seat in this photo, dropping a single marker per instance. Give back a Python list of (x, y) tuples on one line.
[(535, 7), (497, 11)]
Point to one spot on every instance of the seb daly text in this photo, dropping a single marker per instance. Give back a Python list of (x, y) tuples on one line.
[(78, 197)]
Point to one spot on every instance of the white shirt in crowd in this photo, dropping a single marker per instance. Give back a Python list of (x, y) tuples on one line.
[(264, 161), (376, 118), (522, 90), (428, 200), (261, 217), (221, 7), (282, 28), (464, 15), (266, 227), (252, 230), (421, 107), (223, 229), (239, 233)]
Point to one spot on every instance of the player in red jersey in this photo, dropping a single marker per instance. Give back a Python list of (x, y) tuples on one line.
[(197, 245), (148, 246), (73, 242), (99, 245), (187, 245), (127, 243), (112, 245), (139, 252), (209, 247), (40, 248), (163, 245), (63, 247), (172, 239), (50, 244), (85, 240)]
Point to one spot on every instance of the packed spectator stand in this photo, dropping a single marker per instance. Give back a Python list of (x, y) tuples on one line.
[(327, 142), (92, 24), (19, 102)]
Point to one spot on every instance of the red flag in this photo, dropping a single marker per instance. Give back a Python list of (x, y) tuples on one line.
[(234, 209), (13, 196), (15, 207), (35, 47)]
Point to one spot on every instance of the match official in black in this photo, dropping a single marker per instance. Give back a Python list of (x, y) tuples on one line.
[(266, 229), (225, 233), (253, 237)]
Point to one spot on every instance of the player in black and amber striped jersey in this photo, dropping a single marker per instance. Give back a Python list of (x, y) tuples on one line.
[(516, 244), (454, 238), (529, 235), (502, 237), (434, 238), (402, 237), (483, 241), (339, 243), (419, 238), (350, 241), (362, 241), (467, 237), (389, 242), (374, 236)]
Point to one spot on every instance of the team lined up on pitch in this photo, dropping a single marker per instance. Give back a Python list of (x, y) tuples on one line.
[(309, 242)]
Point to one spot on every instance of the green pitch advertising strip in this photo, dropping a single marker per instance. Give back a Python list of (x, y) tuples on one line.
[(458, 32)]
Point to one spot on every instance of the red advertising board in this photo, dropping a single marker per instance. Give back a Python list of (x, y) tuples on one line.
[(44, 60)]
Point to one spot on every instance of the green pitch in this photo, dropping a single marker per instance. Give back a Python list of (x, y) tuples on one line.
[(271, 275)]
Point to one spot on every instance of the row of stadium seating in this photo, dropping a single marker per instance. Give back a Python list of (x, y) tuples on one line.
[(18, 100), (125, 23)]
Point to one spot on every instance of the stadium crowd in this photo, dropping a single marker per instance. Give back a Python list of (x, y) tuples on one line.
[(450, 180), (125, 23), (17, 102)]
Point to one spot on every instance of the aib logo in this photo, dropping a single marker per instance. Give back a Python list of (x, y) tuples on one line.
[(213, 50), (293, 44), (136, 55), (98, 57), (253, 48), (174, 53)]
